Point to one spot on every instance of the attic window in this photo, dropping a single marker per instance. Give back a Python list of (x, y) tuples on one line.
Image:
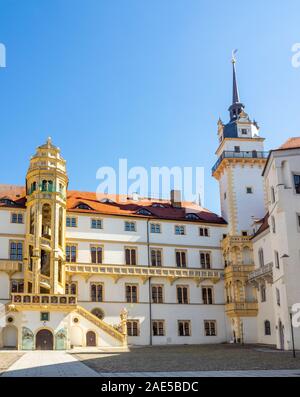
[(7, 201), (83, 206), (192, 217), (158, 205), (107, 201), (143, 211)]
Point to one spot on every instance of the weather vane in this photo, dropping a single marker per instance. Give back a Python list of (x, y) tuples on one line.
[(233, 56)]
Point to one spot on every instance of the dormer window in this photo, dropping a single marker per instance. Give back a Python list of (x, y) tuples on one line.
[(192, 217), (7, 202), (244, 131), (107, 201), (143, 211), (158, 205), (83, 206)]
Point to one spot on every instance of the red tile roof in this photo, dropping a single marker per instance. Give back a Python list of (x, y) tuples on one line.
[(121, 205), (291, 143)]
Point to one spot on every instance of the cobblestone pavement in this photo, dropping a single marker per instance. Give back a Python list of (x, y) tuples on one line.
[(48, 364), (191, 358), (7, 359)]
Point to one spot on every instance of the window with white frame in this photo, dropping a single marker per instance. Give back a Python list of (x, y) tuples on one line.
[(131, 292), (158, 328), (278, 296), (133, 328), (180, 258), (249, 189), (71, 253), (17, 218), (96, 290), (263, 297), (204, 231), (207, 295), (184, 328), (96, 223), (155, 228), (205, 260), (156, 257), (130, 256), (180, 230), (261, 257), (96, 254), (129, 226), (276, 255), (157, 294), (210, 327), (182, 294), (16, 250), (71, 221)]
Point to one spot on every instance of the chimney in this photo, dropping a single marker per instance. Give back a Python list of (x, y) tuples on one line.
[(176, 198)]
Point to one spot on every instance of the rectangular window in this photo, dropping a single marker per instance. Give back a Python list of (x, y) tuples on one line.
[(249, 190), (133, 328), (298, 221), (182, 294), (203, 231), (154, 228), (237, 149), (17, 286), (71, 253), (210, 328), (155, 257), (96, 292), (184, 328), (207, 295), (180, 258), (244, 131), (16, 218), (71, 288), (297, 183), (71, 221), (278, 296), (205, 260), (180, 230), (130, 256), (131, 293), (45, 316), (129, 226), (16, 251), (263, 293), (96, 254), (157, 294), (158, 328), (96, 223)]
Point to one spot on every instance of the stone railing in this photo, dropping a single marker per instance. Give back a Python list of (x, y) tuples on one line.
[(43, 299), (109, 329), (241, 306), (123, 271), (265, 272), (7, 265)]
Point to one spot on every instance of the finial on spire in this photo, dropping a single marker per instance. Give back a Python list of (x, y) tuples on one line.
[(236, 106)]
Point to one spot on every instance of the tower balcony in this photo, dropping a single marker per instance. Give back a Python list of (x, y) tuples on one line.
[(261, 275), (238, 271), (251, 155)]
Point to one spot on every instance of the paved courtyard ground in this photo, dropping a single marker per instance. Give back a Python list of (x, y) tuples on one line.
[(191, 358), (7, 359)]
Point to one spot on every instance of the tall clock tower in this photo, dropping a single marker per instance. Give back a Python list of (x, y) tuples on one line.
[(241, 159)]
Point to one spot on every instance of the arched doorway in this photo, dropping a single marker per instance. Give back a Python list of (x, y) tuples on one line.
[(44, 340), (90, 338), (10, 336)]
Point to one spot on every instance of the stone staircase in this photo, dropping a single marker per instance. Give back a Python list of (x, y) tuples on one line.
[(109, 329)]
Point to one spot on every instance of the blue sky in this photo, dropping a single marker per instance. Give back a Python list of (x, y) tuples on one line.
[(142, 80)]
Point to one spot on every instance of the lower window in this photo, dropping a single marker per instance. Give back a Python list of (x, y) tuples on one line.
[(158, 327), (184, 328), (210, 328), (133, 328)]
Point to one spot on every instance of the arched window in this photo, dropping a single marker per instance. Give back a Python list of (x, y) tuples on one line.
[(59, 271), (267, 328), (83, 206), (273, 224), (98, 313), (60, 227), (46, 221), (31, 231), (192, 217)]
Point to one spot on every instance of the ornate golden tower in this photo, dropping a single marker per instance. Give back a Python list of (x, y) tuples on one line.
[(46, 186)]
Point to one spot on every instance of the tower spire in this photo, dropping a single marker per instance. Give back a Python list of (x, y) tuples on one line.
[(236, 107)]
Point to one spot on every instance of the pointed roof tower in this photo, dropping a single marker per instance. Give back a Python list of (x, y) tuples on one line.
[(236, 108)]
